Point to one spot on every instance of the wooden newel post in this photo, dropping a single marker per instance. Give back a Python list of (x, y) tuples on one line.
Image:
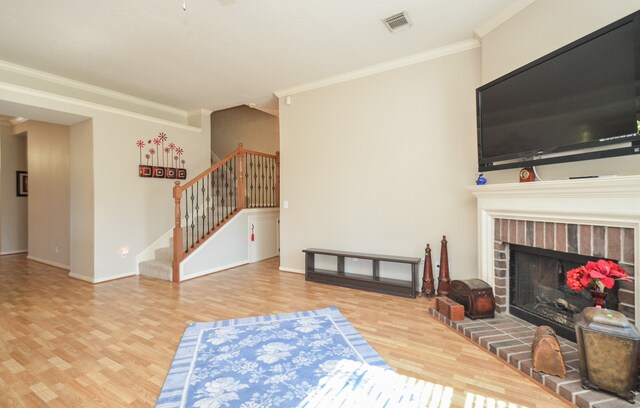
[(278, 178), (428, 286), (177, 234), (444, 281), (242, 193)]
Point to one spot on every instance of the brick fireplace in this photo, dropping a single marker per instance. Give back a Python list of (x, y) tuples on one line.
[(592, 217), (591, 240)]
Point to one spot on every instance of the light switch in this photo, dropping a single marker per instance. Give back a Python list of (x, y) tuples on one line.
[(285, 204)]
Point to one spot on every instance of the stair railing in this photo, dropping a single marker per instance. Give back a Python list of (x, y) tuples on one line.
[(243, 179)]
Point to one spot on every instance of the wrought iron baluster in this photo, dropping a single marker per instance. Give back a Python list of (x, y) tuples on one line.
[(271, 182), (214, 205), (262, 183), (192, 226), (221, 181), (274, 164), (218, 194), (208, 204), (259, 182), (186, 220), (226, 190), (197, 214), (204, 208), (232, 183), (254, 183), (246, 182), (235, 182)]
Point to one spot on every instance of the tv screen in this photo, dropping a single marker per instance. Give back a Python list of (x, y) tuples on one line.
[(582, 96)]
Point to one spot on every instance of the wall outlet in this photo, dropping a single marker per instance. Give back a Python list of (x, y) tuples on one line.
[(124, 252)]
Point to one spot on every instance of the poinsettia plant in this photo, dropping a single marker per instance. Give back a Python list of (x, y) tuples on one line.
[(598, 276)]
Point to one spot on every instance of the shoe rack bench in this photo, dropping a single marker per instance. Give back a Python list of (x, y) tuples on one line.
[(373, 282)]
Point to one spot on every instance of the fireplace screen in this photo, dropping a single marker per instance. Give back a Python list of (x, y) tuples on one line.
[(538, 289)]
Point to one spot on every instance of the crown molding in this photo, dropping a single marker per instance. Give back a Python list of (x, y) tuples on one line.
[(36, 74), (386, 66), (497, 20), (91, 105)]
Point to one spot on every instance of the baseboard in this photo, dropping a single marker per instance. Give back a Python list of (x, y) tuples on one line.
[(81, 277), (114, 277), (100, 280), (20, 251), (44, 261), (218, 269), (294, 270)]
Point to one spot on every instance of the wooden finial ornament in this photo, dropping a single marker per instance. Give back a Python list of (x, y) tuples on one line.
[(428, 286), (444, 281)]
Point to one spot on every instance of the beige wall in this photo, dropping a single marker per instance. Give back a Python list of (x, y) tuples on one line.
[(13, 209), (81, 199), (255, 129), (48, 162), (541, 28), (128, 211), (380, 164)]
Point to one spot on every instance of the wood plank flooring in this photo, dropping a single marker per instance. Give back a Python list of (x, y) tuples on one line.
[(67, 343)]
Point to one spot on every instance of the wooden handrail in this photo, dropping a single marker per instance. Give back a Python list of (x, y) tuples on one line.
[(211, 169), (236, 191)]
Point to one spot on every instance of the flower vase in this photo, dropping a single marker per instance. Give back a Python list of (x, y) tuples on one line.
[(598, 298)]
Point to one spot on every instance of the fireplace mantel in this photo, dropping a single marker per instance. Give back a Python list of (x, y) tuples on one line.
[(605, 201)]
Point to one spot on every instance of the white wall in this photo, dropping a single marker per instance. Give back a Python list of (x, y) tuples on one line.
[(128, 211), (380, 164), (228, 247), (539, 29), (48, 208), (13, 209), (255, 129)]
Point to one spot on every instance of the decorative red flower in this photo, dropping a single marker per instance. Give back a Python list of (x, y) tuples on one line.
[(166, 150), (179, 150), (157, 142), (172, 146), (162, 136), (152, 151), (140, 143), (599, 275)]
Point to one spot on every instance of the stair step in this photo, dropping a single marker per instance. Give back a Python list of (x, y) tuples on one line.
[(159, 269), (164, 254)]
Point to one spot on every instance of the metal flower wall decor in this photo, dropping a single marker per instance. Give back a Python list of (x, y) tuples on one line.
[(166, 162)]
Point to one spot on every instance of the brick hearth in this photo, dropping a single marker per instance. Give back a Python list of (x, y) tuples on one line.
[(510, 338)]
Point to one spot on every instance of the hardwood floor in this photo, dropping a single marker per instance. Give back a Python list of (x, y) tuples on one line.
[(67, 343)]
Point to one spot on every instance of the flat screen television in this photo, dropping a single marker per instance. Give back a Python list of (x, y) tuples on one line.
[(580, 102)]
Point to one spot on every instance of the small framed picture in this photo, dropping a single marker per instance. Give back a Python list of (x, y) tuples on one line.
[(22, 184)]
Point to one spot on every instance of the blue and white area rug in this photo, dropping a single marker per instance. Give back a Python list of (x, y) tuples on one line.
[(303, 359)]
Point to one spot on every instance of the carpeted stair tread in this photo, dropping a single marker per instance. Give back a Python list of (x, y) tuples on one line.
[(164, 254), (157, 268)]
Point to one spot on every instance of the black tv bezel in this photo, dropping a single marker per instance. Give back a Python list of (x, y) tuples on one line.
[(527, 158)]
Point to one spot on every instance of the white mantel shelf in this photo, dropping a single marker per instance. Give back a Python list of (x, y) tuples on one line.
[(619, 185), (607, 201)]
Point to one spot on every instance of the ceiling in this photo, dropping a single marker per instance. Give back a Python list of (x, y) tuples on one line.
[(222, 53)]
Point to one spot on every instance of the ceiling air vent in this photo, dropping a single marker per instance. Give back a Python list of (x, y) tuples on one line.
[(397, 22)]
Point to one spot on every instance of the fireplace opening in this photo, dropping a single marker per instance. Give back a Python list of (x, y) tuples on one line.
[(538, 291)]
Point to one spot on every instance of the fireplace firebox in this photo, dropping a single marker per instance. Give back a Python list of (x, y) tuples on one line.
[(538, 291)]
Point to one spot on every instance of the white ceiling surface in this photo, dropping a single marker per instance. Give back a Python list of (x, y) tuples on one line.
[(223, 53)]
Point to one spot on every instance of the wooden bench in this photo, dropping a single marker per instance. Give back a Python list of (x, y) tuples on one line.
[(373, 282)]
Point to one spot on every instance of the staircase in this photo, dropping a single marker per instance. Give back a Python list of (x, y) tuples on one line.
[(243, 180), (160, 267)]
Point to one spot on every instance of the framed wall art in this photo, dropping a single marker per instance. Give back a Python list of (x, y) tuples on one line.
[(22, 185)]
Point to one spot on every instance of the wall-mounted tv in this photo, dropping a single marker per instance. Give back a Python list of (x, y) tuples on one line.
[(580, 102)]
